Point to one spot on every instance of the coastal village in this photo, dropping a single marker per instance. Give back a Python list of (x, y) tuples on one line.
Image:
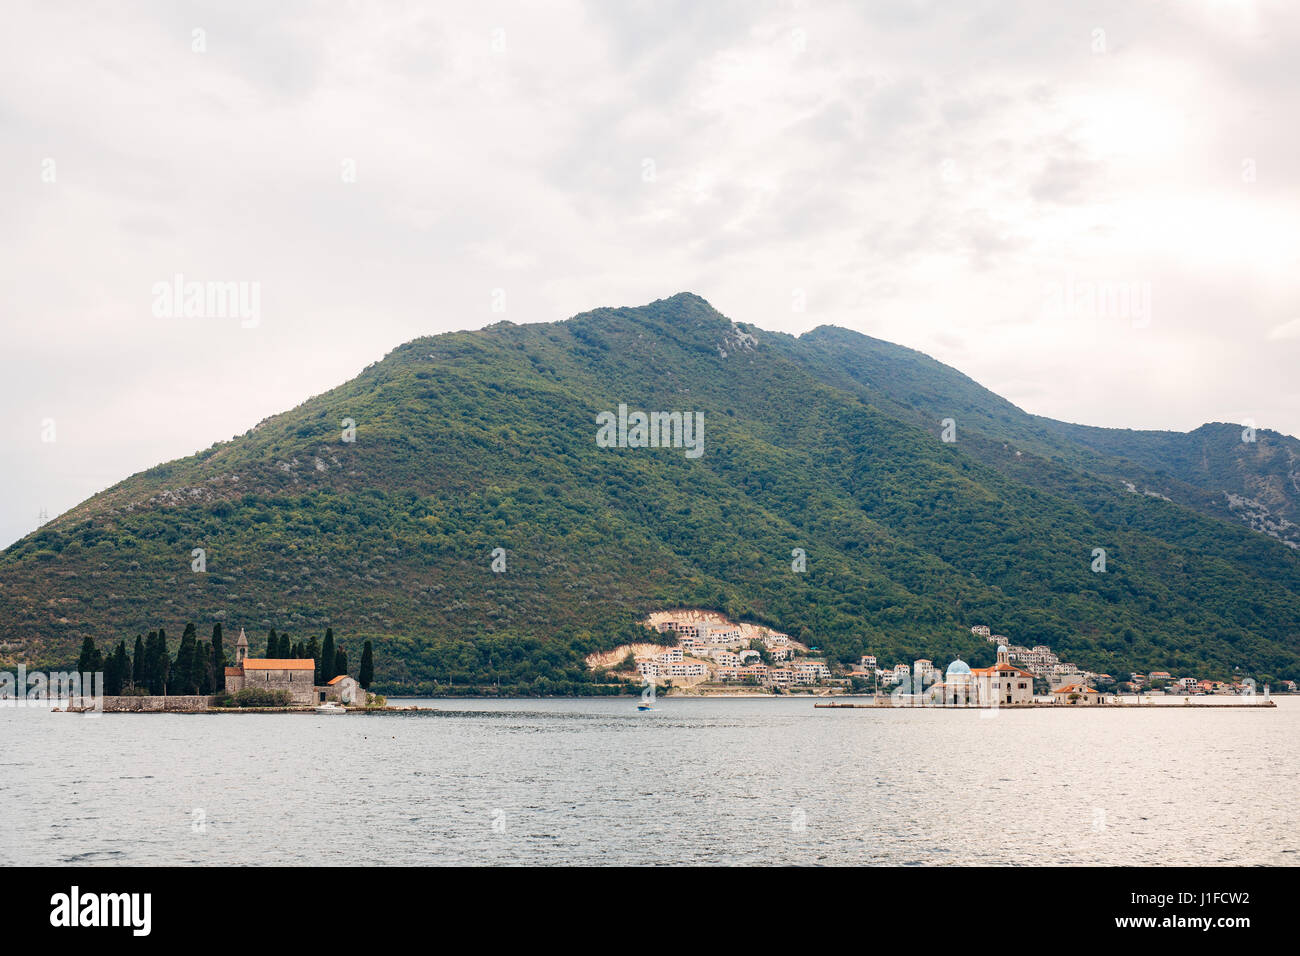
[(714, 656)]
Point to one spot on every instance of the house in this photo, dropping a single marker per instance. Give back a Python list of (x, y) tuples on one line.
[(344, 690), (683, 668), (1077, 694), (810, 672), (778, 677)]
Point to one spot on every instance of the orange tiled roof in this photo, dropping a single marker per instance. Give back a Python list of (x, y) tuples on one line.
[(335, 680), (278, 664), (234, 672), (1000, 669)]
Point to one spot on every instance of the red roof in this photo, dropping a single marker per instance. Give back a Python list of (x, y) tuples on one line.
[(278, 664), (335, 680)]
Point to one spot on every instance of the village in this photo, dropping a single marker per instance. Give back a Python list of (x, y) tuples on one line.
[(714, 656)]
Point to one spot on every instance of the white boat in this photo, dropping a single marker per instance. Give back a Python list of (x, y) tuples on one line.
[(331, 708)]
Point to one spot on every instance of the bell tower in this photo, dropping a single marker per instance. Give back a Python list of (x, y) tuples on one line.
[(241, 647), (1002, 652)]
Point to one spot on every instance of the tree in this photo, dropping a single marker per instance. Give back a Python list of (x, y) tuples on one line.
[(138, 677), (340, 662), (272, 644), (286, 647), (183, 672), (217, 668), (313, 651), (201, 673), (89, 661), (328, 656), (120, 670), (159, 663), (367, 673)]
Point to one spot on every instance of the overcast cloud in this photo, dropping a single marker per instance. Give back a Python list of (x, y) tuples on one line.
[(952, 180)]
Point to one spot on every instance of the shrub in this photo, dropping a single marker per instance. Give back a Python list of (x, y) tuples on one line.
[(253, 697)]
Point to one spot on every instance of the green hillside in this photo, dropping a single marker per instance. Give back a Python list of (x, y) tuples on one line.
[(473, 441)]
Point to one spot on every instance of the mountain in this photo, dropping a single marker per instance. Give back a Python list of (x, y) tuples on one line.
[(830, 442)]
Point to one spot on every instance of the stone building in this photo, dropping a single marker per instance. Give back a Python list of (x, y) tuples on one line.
[(343, 689), (296, 676)]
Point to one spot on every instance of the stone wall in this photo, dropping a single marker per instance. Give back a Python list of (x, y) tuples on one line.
[(299, 684), (140, 705)]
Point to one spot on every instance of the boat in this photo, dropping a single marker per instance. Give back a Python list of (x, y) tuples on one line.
[(331, 708), (644, 707)]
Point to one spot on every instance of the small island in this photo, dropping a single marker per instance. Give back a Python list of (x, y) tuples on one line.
[(305, 677)]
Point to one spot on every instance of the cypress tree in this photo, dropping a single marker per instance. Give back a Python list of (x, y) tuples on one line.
[(201, 674), (286, 647), (340, 662), (160, 663), (217, 665), (110, 672), (272, 644), (88, 658), (138, 678), (183, 673), (121, 670), (327, 657), (367, 673), (313, 651), (147, 666)]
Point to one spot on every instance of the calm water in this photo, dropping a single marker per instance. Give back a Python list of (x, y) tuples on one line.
[(697, 781)]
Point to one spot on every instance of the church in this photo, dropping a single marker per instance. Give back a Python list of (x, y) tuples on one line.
[(1001, 685), (297, 677)]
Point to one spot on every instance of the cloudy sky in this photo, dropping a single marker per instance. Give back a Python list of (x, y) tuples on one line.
[(1089, 207)]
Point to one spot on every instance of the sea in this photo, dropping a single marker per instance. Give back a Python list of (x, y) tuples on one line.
[(693, 781)]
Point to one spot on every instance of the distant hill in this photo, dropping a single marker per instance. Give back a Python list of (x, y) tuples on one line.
[(830, 442)]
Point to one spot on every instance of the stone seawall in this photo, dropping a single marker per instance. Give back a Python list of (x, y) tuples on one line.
[(141, 705)]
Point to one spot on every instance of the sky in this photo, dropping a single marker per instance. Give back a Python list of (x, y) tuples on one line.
[(1088, 207)]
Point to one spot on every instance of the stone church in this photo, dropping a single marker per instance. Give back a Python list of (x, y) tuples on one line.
[(297, 677)]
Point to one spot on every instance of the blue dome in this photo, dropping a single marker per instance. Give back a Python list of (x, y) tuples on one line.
[(958, 666)]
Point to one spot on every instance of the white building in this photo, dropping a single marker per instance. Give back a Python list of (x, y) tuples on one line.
[(1001, 685), (810, 672)]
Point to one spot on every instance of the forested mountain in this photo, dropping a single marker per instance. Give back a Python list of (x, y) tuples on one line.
[(831, 442)]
